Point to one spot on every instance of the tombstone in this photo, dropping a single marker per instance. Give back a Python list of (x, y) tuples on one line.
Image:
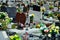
[(3, 35), (11, 11), (20, 18), (36, 8)]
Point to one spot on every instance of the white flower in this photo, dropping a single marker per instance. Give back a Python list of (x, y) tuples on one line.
[(11, 18), (57, 27), (49, 35)]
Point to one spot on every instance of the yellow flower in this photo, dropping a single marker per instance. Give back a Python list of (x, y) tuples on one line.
[(16, 35), (50, 30), (43, 9), (11, 37), (52, 26), (38, 26), (33, 15), (59, 6)]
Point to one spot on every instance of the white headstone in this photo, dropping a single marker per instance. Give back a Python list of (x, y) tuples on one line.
[(4, 1), (3, 35)]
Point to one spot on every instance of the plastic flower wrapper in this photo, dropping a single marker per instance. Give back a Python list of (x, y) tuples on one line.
[(17, 37), (11, 37), (42, 27), (46, 30)]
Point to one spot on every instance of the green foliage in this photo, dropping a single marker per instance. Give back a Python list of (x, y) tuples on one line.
[(4, 26), (18, 10), (13, 26), (55, 13), (8, 20), (51, 7), (51, 15), (2, 16), (5, 20)]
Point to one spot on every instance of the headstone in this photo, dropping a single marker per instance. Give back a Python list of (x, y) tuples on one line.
[(11, 11), (20, 18), (3, 35)]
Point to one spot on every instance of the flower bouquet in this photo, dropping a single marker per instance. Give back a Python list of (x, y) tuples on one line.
[(4, 20)]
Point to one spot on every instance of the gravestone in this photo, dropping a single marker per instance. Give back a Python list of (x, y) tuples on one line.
[(20, 18), (3, 35), (11, 11)]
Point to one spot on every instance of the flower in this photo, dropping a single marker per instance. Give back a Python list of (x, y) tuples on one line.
[(49, 35), (33, 15), (57, 27)]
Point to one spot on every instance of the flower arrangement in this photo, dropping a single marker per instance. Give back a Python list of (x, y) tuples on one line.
[(4, 20), (51, 7), (54, 29), (15, 37)]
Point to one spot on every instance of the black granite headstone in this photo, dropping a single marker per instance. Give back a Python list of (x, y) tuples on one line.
[(11, 11), (36, 8)]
